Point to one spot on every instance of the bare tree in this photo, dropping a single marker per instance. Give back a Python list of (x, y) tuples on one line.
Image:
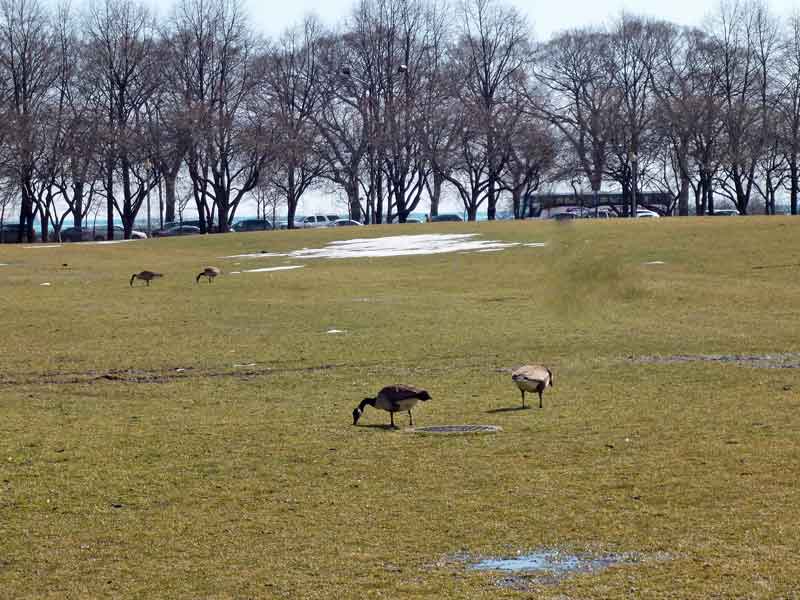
[(214, 58), (120, 38), (581, 103), (494, 52), (292, 93), (788, 107), (27, 52)]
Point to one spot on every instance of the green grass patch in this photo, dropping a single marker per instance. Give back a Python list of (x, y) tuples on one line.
[(194, 440)]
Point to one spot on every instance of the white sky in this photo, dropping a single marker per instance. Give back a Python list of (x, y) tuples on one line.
[(546, 17)]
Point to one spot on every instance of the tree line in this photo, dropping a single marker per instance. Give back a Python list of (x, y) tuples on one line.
[(402, 102)]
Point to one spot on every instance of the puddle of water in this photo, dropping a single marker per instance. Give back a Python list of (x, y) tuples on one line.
[(395, 245), (655, 262), (46, 283), (549, 561), (335, 331), (42, 246), (267, 269)]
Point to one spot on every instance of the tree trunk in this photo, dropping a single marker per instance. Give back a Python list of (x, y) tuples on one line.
[(436, 193), (169, 193), (109, 200), (77, 205), (794, 183), (516, 202), (491, 200)]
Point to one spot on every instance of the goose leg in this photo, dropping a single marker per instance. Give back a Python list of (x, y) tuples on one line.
[(148, 282), (391, 415), (540, 398), (410, 419), (523, 398)]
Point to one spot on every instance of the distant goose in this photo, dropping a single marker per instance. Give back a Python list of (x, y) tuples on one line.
[(393, 398), (146, 276), (209, 272), (532, 378)]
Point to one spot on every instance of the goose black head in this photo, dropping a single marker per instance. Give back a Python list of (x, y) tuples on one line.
[(550, 373), (359, 410), (423, 395)]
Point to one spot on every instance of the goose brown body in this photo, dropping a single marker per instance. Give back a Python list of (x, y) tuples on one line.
[(532, 378), (209, 272), (394, 398), (145, 276)]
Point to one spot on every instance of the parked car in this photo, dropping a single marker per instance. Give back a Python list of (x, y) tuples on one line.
[(601, 213), (99, 235), (192, 223), (253, 225), (726, 212), (345, 223), (177, 230), (564, 216), (313, 221), (9, 234), (445, 218), (643, 213)]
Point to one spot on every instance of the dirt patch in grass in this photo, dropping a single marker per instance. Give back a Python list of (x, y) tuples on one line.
[(779, 360)]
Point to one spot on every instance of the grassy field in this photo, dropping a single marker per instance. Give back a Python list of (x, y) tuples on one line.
[(137, 459)]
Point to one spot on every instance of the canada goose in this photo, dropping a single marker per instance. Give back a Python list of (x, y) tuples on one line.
[(393, 398), (145, 276), (209, 272), (532, 378)]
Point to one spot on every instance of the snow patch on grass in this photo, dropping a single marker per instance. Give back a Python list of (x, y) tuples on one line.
[(395, 245), (266, 269)]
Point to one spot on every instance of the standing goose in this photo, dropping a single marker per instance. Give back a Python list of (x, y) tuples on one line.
[(532, 378), (209, 272), (145, 276), (393, 398)]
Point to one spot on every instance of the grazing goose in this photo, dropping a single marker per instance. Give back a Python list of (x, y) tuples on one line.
[(393, 398), (209, 272), (532, 378), (145, 276)]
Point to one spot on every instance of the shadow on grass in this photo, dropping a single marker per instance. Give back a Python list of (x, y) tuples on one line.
[(508, 409), (386, 426)]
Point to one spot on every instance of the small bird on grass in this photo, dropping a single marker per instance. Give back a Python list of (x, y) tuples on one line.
[(209, 272), (532, 378), (393, 398), (145, 276)]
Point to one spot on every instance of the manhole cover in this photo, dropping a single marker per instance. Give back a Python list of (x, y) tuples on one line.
[(455, 429)]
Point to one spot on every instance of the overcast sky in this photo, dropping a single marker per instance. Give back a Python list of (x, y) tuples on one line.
[(546, 17)]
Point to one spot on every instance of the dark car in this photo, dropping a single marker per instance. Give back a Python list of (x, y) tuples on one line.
[(177, 230), (345, 223), (564, 216), (253, 225), (9, 233), (73, 234), (445, 218)]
